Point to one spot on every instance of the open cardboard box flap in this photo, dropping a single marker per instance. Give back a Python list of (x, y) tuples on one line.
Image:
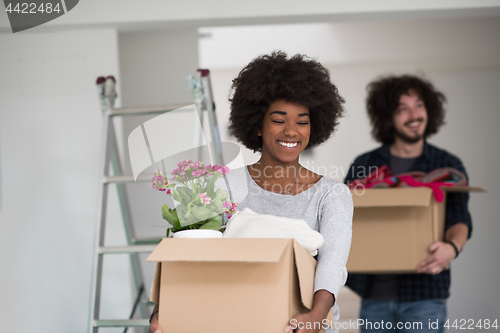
[(306, 267), (250, 250), (402, 197), (380, 197), (463, 189), (219, 250)]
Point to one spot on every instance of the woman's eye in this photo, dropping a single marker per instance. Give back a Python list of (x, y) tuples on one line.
[(278, 121), (304, 123)]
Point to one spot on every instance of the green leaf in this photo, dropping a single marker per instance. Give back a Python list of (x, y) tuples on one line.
[(196, 225), (213, 223), (217, 207), (201, 213), (180, 195), (220, 195), (171, 216), (210, 189), (187, 220), (175, 194)]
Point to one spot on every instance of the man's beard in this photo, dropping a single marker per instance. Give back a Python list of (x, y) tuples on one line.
[(406, 138)]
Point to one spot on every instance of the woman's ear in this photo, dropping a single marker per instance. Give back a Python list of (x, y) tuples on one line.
[(259, 133)]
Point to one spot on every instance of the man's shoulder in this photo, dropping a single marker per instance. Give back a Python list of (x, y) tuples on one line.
[(370, 155), (442, 154)]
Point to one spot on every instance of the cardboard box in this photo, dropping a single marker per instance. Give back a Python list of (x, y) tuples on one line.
[(231, 284), (394, 227)]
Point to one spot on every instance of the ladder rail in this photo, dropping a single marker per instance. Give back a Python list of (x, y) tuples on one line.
[(126, 217), (201, 88), (212, 118), (99, 230)]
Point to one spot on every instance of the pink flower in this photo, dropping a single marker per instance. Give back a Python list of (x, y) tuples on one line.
[(229, 207), (204, 198), (159, 181)]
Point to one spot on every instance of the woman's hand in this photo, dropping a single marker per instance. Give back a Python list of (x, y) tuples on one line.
[(153, 326), (309, 322), (312, 321)]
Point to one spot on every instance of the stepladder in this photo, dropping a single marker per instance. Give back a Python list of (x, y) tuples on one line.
[(114, 174)]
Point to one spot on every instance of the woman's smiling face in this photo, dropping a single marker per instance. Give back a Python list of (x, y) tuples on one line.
[(285, 131)]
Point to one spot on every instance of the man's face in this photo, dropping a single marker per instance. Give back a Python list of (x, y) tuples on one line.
[(410, 118)]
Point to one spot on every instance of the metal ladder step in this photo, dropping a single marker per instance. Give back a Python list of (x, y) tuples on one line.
[(121, 323), (147, 241), (136, 111), (125, 179), (127, 249)]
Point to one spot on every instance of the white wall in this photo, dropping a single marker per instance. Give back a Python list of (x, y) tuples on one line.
[(154, 65), (462, 58), (50, 136)]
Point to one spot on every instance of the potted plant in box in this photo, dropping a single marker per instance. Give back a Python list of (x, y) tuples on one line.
[(200, 205)]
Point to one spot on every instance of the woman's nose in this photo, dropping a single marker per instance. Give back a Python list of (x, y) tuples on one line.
[(291, 130)]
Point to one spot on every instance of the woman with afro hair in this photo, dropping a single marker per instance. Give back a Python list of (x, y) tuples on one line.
[(279, 107)]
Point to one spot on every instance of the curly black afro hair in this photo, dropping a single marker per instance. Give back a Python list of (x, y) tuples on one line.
[(299, 80), (383, 100)]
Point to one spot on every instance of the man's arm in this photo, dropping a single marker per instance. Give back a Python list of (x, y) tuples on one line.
[(442, 253)]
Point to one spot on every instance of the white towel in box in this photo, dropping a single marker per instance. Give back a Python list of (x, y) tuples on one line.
[(247, 224)]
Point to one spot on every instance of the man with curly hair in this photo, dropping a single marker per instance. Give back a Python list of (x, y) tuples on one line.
[(404, 111)]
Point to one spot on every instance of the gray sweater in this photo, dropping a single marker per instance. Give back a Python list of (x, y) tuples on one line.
[(326, 207)]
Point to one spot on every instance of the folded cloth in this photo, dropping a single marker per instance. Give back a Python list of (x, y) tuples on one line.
[(383, 178), (247, 224)]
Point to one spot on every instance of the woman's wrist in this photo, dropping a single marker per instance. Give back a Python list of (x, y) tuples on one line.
[(323, 302), (319, 312), (155, 313)]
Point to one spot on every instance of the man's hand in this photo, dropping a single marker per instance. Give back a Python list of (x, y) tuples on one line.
[(441, 255), (309, 322)]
